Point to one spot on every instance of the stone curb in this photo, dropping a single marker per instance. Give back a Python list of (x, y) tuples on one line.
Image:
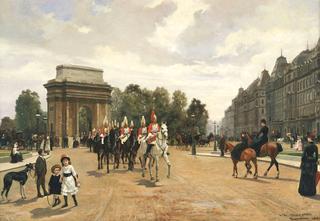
[(21, 164)]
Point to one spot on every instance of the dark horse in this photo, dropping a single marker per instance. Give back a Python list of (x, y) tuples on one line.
[(104, 150), (125, 149), (134, 146)]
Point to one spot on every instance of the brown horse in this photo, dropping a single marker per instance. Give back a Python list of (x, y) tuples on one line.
[(271, 149), (247, 155)]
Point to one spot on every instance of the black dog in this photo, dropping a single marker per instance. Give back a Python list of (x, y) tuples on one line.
[(21, 177)]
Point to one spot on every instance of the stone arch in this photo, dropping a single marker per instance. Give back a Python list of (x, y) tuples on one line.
[(75, 87)]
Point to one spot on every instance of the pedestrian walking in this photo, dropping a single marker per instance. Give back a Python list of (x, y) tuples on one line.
[(69, 180), (55, 185), (41, 171), (222, 143), (309, 168)]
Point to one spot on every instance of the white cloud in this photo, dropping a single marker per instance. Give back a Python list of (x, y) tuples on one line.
[(206, 48), (168, 32)]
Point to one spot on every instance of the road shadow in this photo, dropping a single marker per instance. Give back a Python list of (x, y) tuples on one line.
[(146, 183), (281, 179), (48, 212), (316, 197), (97, 173), (252, 180), (19, 202)]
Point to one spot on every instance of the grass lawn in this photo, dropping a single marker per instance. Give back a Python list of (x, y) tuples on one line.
[(7, 153)]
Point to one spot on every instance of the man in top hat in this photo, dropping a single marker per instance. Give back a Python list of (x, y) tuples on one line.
[(153, 129), (124, 131), (41, 170), (142, 131)]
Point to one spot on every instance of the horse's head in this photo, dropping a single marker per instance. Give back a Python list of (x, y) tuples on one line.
[(164, 130)]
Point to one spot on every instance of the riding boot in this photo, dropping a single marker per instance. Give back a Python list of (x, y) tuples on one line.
[(75, 200), (58, 201), (65, 202)]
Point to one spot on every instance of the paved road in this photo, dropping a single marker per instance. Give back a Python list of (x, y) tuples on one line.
[(200, 189)]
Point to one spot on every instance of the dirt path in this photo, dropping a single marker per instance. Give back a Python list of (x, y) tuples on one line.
[(199, 189)]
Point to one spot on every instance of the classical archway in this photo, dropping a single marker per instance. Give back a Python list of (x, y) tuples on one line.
[(73, 88)]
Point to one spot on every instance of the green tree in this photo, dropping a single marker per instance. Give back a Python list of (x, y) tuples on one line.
[(177, 113), (7, 124), (27, 106), (197, 115), (161, 103), (116, 105)]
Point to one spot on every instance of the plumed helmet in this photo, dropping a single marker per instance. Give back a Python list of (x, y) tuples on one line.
[(105, 121), (153, 117), (143, 121), (131, 124), (125, 121)]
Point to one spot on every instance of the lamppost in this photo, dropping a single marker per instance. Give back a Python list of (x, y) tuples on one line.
[(45, 125), (215, 136), (37, 117), (193, 134)]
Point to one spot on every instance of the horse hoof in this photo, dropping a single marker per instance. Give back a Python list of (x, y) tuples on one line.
[(143, 175), (157, 180), (168, 176), (152, 178), (265, 174), (277, 177)]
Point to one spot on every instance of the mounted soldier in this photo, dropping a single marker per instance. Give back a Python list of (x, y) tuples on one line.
[(153, 129), (124, 131), (142, 131)]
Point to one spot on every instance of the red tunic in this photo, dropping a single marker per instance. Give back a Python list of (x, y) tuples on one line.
[(153, 129)]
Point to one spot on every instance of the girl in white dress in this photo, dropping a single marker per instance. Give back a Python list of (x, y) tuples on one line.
[(69, 181)]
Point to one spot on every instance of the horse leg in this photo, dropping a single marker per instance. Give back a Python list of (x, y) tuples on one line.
[(271, 164), (101, 159), (235, 169), (150, 170), (247, 167), (98, 155), (107, 159), (255, 176), (277, 165), (157, 169), (166, 158), (143, 166), (21, 191)]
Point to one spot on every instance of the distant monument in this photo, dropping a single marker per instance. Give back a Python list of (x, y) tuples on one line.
[(75, 90)]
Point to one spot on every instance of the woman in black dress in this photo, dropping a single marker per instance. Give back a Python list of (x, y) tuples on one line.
[(55, 185), (237, 150), (309, 167)]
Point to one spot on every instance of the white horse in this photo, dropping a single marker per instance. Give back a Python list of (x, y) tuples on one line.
[(159, 150)]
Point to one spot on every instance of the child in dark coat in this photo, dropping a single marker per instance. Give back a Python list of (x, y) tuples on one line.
[(55, 184)]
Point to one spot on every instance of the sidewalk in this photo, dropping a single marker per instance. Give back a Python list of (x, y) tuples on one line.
[(285, 160), (11, 166)]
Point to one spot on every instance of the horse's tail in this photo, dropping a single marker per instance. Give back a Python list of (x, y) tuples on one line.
[(279, 147)]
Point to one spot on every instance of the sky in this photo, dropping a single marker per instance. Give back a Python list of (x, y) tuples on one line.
[(206, 48)]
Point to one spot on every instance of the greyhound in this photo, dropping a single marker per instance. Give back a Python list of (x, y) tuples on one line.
[(21, 177)]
